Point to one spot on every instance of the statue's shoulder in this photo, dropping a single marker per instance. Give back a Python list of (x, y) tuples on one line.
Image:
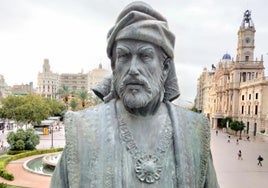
[(192, 120), (88, 112), (88, 117)]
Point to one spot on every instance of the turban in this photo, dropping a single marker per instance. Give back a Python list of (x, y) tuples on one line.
[(139, 21)]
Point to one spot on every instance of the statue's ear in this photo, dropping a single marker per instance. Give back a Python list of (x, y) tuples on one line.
[(166, 67)]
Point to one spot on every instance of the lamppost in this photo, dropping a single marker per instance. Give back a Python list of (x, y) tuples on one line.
[(52, 126)]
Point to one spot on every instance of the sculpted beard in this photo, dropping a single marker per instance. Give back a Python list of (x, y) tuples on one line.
[(137, 98)]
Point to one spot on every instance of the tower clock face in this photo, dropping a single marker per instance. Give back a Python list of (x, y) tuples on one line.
[(247, 40)]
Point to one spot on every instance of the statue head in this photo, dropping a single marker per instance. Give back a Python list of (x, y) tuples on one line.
[(140, 30), (140, 70)]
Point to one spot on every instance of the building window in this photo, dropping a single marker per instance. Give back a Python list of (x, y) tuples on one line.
[(242, 110), (248, 109), (246, 58), (243, 97), (244, 76), (256, 96), (256, 110), (249, 96)]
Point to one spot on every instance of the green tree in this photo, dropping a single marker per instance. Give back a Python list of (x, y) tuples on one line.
[(56, 107), (25, 109), (237, 126), (23, 140), (225, 120), (83, 96), (73, 104)]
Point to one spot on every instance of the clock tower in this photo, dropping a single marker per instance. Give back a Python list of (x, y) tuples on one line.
[(246, 33)]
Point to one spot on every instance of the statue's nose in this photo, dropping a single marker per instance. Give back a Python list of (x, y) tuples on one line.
[(133, 70)]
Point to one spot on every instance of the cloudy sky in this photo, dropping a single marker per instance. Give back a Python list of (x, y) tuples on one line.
[(72, 35)]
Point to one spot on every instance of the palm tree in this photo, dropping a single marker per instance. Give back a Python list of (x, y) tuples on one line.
[(83, 96), (64, 93)]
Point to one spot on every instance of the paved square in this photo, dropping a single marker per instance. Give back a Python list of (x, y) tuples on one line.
[(234, 173)]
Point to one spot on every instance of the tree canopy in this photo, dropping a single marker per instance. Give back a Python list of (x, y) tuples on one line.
[(29, 109), (23, 139)]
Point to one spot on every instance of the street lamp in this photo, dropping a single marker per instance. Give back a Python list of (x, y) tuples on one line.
[(52, 125)]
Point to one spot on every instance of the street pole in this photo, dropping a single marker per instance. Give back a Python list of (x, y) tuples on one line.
[(52, 136)]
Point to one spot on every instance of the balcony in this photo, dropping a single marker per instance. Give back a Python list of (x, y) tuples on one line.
[(254, 82)]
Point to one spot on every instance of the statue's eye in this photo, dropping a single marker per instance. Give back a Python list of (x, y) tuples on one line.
[(145, 57), (122, 56)]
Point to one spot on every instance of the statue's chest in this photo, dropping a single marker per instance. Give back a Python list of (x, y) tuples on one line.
[(148, 133)]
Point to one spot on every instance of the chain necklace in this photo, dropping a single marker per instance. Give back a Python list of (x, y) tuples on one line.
[(148, 166)]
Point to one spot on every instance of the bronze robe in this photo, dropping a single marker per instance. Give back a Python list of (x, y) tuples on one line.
[(94, 155)]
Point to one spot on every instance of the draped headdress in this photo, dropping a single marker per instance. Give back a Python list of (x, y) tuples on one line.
[(139, 21)]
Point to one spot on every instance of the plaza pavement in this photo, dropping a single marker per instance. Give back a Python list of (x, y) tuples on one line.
[(231, 172), (234, 173)]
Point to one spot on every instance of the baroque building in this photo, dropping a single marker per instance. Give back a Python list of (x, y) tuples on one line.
[(49, 83), (236, 88), (74, 81)]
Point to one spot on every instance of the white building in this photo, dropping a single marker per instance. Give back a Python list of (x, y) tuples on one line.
[(48, 82), (236, 88)]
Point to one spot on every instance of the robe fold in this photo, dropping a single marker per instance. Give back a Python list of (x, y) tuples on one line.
[(95, 156)]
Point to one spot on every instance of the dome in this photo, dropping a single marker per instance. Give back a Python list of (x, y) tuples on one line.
[(226, 57)]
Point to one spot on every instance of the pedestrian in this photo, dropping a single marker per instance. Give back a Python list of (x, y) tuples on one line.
[(237, 141), (216, 132), (240, 155), (248, 138), (260, 159), (229, 139)]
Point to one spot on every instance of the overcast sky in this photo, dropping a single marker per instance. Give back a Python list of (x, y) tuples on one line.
[(72, 35)]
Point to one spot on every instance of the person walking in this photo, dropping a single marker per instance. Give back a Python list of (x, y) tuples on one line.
[(216, 132), (229, 137), (260, 159), (240, 155)]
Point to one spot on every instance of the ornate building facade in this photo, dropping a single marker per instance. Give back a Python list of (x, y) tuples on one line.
[(236, 88), (49, 82)]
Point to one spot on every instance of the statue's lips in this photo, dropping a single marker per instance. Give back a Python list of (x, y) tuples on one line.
[(135, 85), (139, 84)]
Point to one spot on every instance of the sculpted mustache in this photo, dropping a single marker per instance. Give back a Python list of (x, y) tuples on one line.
[(139, 81)]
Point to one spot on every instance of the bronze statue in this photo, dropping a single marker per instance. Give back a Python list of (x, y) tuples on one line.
[(137, 138)]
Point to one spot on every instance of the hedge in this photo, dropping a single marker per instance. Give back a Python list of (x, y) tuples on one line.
[(5, 160)]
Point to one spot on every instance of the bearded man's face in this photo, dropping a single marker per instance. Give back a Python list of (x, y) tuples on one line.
[(138, 72)]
